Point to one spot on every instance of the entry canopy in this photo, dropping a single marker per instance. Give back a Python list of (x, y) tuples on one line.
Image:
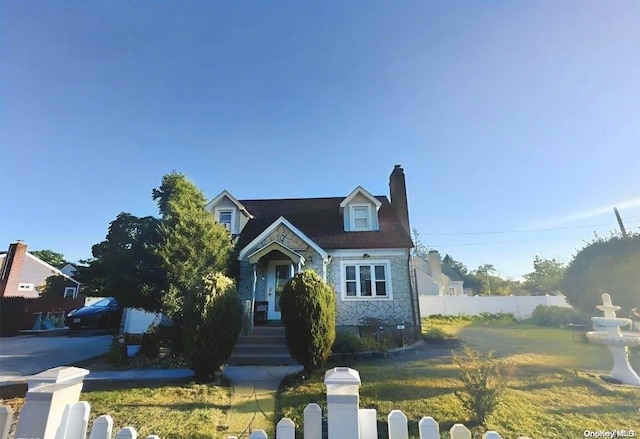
[(274, 245)]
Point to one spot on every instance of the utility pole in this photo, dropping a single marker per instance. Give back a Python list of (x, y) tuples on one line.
[(619, 218)]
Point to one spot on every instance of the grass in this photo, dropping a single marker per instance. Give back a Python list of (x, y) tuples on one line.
[(552, 394), (170, 409)]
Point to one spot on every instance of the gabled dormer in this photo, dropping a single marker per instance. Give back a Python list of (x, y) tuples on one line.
[(229, 212), (360, 211)]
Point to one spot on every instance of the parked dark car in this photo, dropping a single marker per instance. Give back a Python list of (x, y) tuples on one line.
[(104, 314)]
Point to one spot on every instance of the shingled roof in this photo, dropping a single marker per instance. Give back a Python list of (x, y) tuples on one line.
[(320, 220)]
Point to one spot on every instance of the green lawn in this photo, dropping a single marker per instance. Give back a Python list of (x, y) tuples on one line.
[(551, 395), (170, 410)]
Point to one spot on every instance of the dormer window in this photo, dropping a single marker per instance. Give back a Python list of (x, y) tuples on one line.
[(360, 217), (225, 217), (360, 211)]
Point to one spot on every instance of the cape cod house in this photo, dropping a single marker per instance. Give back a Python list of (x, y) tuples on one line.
[(358, 243)]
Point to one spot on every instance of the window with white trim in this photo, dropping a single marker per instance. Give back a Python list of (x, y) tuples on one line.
[(25, 287), (69, 292), (360, 217), (226, 217), (366, 279)]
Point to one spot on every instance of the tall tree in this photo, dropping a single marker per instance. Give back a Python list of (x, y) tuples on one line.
[(420, 249), (546, 277), (193, 244), (125, 265), (50, 257), (605, 265)]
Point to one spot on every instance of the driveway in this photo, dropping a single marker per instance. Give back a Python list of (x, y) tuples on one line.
[(27, 355)]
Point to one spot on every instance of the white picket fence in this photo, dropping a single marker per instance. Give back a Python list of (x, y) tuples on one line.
[(74, 426), (52, 411)]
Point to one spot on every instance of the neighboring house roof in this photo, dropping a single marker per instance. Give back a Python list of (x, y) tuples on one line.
[(450, 273), (320, 220)]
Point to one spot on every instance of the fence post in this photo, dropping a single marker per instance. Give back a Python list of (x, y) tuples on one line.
[(398, 428), (459, 431), (491, 435), (102, 427), (6, 416), (46, 401), (74, 426), (312, 421), (343, 397), (127, 433), (429, 428), (258, 434), (286, 429)]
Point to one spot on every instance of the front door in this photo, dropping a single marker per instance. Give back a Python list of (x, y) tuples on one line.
[(278, 275)]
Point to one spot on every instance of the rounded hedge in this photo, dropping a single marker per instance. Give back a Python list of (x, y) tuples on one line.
[(308, 307), (212, 323)]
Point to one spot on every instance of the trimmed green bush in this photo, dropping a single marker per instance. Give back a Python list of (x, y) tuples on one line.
[(212, 323), (308, 308), (557, 316)]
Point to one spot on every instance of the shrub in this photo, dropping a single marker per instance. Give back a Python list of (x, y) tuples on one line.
[(557, 316), (435, 334), (351, 343), (150, 343), (212, 323), (117, 354), (308, 308), (485, 379)]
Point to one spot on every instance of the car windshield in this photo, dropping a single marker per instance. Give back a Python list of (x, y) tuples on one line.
[(102, 303)]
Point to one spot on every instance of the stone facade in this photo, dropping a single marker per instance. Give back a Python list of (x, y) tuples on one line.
[(393, 311)]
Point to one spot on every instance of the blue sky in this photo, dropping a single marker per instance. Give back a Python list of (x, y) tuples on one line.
[(517, 123)]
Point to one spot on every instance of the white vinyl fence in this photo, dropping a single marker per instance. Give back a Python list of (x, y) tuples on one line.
[(52, 411), (520, 306)]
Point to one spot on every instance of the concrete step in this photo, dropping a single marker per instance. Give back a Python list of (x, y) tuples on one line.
[(262, 339), (262, 348), (260, 360), (268, 330)]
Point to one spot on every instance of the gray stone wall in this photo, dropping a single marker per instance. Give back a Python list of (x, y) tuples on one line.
[(394, 311)]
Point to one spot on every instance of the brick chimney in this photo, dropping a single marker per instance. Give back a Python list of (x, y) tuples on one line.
[(11, 268), (398, 192)]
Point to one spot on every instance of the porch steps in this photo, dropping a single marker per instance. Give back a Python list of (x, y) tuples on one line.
[(267, 346)]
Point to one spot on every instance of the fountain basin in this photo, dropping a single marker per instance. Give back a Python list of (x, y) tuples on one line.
[(607, 322), (624, 339)]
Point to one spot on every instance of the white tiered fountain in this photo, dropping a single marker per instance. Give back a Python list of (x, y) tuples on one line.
[(617, 341)]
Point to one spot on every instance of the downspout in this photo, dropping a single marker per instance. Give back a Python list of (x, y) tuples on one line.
[(414, 306)]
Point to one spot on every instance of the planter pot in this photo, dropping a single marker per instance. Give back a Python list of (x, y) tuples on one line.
[(132, 350)]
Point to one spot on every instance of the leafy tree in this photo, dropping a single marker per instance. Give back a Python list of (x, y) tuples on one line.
[(125, 264), (605, 265), (54, 286), (212, 323), (308, 307), (469, 279), (192, 244), (420, 249), (546, 277), (50, 257)]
